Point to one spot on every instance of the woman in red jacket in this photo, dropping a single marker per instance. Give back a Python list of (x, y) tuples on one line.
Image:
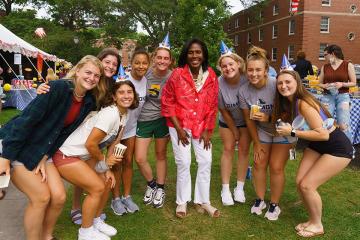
[(189, 102)]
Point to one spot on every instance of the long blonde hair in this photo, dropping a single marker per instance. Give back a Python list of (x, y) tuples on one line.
[(99, 91)]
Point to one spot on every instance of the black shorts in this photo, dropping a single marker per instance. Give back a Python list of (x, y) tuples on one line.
[(338, 145), (224, 125)]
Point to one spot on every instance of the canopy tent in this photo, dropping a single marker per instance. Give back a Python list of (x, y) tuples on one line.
[(11, 43)]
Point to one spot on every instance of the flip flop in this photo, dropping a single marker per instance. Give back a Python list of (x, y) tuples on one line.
[(212, 211), (3, 193), (180, 211), (300, 227), (309, 234)]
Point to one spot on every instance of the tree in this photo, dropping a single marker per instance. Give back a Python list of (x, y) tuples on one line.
[(7, 4)]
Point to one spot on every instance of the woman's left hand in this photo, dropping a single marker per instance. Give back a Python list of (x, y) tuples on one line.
[(41, 168), (205, 137), (109, 176), (284, 130), (338, 85), (261, 117)]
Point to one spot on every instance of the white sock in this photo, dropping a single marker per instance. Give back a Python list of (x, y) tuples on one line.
[(225, 187), (86, 230), (240, 185), (96, 220), (117, 198)]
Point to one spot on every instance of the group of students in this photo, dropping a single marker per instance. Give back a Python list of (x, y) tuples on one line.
[(62, 132)]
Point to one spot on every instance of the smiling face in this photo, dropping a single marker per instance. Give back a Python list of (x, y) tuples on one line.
[(162, 60), (286, 85), (195, 56), (256, 72), (88, 76), (110, 63), (139, 66), (229, 68), (124, 97)]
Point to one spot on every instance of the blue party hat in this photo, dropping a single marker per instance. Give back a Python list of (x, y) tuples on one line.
[(166, 42), (285, 64), (224, 49), (121, 76)]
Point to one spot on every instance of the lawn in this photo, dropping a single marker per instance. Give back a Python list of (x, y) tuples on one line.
[(341, 213)]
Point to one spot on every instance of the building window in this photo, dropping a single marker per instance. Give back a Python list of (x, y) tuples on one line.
[(275, 9), (274, 54), (261, 34), (236, 23), (275, 31), (236, 40), (321, 51), (249, 38), (326, 3), (249, 20), (291, 52), (325, 24), (292, 27)]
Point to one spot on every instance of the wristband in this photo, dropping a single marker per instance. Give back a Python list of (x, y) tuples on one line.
[(101, 166), (293, 133)]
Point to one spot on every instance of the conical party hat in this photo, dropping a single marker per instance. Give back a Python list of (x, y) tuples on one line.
[(166, 42), (224, 49)]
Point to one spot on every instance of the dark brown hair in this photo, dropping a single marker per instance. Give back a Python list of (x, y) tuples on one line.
[(109, 51), (110, 100), (300, 54), (140, 51)]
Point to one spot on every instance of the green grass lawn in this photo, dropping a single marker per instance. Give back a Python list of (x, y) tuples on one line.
[(341, 209)]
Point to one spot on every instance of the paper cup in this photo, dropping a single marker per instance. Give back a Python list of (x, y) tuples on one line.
[(299, 123), (4, 181), (254, 109), (119, 150)]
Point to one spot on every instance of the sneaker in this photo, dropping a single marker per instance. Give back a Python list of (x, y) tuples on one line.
[(105, 228), (226, 198), (118, 207), (149, 195), (239, 195), (159, 198), (92, 234), (273, 212), (258, 206), (129, 204), (103, 216)]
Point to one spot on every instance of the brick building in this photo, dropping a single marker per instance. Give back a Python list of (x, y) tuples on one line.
[(316, 24)]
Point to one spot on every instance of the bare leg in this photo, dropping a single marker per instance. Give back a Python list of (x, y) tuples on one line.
[(243, 154), (161, 159), (117, 169), (127, 169), (227, 154), (76, 202), (259, 172), (141, 152)]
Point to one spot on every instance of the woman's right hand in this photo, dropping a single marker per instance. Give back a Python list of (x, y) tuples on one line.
[(4, 166), (259, 152), (43, 89), (236, 134), (183, 136), (112, 160)]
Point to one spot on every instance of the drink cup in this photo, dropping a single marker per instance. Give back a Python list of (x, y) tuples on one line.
[(119, 150), (254, 109), (4, 181)]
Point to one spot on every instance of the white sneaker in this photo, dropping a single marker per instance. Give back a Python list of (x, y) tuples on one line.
[(149, 195), (159, 198), (258, 206), (92, 234), (273, 212), (105, 228), (226, 198), (239, 195)]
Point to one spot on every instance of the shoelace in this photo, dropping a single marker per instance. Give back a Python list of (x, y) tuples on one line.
[(158, 195), (257, 202), (272, 207)]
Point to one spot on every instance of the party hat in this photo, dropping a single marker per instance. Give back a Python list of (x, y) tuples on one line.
[(121, 76), (285, 64), (224, 49), (166, 42)]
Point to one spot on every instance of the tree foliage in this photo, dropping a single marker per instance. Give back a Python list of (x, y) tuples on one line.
[(7, 5)]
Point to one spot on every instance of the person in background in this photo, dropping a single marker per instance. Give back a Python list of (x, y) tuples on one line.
[(152, 125), (303, 66), (140, 62), (270, 150), (189, 102), (328, 153), (30, 139), (232, 127), (335, 78)]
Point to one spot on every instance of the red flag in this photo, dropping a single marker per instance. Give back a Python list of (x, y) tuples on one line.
[(39, 66), (294, 6)]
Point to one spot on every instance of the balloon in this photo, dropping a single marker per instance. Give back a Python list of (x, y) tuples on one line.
[(7, 87), (34, 85)]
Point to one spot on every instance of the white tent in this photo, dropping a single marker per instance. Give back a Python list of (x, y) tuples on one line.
[(11, 43)]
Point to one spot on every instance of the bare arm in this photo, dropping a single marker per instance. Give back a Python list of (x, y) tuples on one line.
[(230, 122)]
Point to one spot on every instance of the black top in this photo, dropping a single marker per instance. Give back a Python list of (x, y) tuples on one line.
[(304, 68)]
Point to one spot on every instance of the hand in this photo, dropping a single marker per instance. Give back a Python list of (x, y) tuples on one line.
[(259, 152), (205, 136), (236, 134), (338, 85), (183, 137), (109, 176), (261, 117), (43, 89), (4, 166), (112, 160), (41, 168), (284, 130)]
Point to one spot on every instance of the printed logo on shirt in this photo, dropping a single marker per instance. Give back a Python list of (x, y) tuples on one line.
[(154, 91), (232, 105)]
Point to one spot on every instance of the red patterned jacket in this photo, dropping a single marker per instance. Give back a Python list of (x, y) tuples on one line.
[(195, 111)]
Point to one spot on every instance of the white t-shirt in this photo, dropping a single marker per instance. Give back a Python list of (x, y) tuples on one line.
[(107, 119), (133, 114)]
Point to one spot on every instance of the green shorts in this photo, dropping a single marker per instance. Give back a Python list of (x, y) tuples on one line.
[(155, 128)]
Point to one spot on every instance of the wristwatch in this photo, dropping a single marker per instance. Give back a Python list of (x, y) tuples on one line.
[(293, 133)]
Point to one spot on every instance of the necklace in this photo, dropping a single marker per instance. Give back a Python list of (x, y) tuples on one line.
[(79, 96)]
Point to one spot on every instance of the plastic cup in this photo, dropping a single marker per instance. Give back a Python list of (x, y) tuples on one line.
[(254, 109), (119, 150)]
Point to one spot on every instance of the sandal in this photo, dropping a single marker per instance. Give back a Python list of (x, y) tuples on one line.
[(309, 234), (213, 212), (76, 216), (3, 194), (300, 227), (181, 210)]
